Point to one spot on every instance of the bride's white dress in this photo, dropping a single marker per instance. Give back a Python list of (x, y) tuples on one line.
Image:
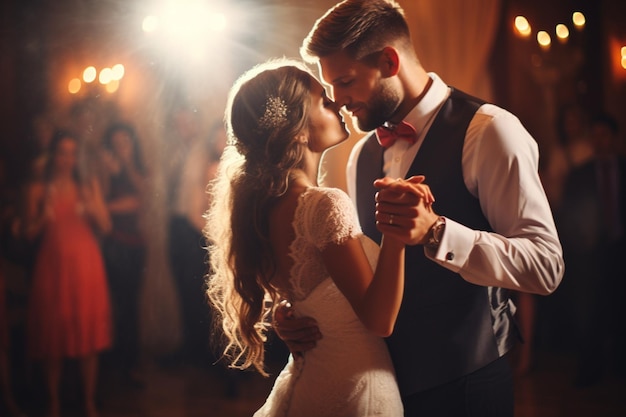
[(349, 373)]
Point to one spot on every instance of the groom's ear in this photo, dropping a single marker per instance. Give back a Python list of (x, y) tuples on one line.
[(389, 61)]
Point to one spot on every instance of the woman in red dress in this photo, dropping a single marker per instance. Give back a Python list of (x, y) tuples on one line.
[(69, 310)]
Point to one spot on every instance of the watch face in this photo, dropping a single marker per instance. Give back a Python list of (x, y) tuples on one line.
[(438, 232)]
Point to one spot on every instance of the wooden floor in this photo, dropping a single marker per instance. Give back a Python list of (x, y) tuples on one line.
[(549, 391), (190, 391)]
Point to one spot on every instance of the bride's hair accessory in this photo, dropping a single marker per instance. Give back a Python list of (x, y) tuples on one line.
[(275, 114)]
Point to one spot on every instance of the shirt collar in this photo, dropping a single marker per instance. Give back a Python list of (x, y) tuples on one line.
[(429, 104)]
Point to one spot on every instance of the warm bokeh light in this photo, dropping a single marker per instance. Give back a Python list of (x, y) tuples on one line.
[(623, 51), (579, 20), (112, 86), (562, 32), (106, 75), (89, 74), (543, 38), (150, 24), (522, 26), (74, 86), (118, 71)]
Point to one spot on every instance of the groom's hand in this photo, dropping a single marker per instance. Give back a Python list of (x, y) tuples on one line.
[(299, 334), (404, 209)]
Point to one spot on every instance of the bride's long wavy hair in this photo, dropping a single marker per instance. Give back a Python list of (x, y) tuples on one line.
[(267, 108)]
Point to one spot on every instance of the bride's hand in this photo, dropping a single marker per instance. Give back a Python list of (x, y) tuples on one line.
[(404, 209), (413, 185)]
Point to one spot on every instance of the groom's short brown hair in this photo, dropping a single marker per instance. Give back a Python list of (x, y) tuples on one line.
[(357, 27)]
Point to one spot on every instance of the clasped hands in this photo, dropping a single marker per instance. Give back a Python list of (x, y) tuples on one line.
[(404, 209), (404, 212)]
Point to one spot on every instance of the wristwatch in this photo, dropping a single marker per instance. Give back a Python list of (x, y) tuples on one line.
[(436, 233)]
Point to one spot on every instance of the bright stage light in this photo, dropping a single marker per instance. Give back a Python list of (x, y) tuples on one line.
[(150, 24), (187, 20), (187, 29)]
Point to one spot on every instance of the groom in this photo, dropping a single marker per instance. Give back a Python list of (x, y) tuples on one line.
[(494, 230)]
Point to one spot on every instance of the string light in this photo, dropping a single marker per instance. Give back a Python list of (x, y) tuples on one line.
[(522, 26), (579, 20), (562, 32), (544, 39), (108, 77), (89, 74)]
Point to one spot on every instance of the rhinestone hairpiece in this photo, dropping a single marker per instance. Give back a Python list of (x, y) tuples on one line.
[(275, 114)]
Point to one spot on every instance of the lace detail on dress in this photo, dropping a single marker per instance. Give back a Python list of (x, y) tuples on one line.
[(349, 373), (322, 216)]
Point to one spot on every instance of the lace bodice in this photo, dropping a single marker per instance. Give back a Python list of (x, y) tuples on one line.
[(349, 373), (322, 216)]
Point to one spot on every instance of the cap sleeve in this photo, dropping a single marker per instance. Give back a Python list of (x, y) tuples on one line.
[(329, 217)]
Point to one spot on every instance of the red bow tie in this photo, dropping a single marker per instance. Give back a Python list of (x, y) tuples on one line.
[(387, 136)]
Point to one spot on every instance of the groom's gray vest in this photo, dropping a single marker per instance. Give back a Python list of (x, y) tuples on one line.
[(447, 327)]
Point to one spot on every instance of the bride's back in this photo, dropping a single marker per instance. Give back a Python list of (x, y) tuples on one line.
[(282, 234)]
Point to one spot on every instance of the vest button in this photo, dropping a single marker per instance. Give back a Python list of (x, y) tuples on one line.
[(449, 256)]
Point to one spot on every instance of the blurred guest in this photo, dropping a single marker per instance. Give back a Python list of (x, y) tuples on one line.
[(43, 128), (186, 242), (591, 221), (87, 120), (572, 150), (16, 248), (125, 247), (69, 311)]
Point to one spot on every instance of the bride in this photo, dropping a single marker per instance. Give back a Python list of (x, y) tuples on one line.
[(273, 233)]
